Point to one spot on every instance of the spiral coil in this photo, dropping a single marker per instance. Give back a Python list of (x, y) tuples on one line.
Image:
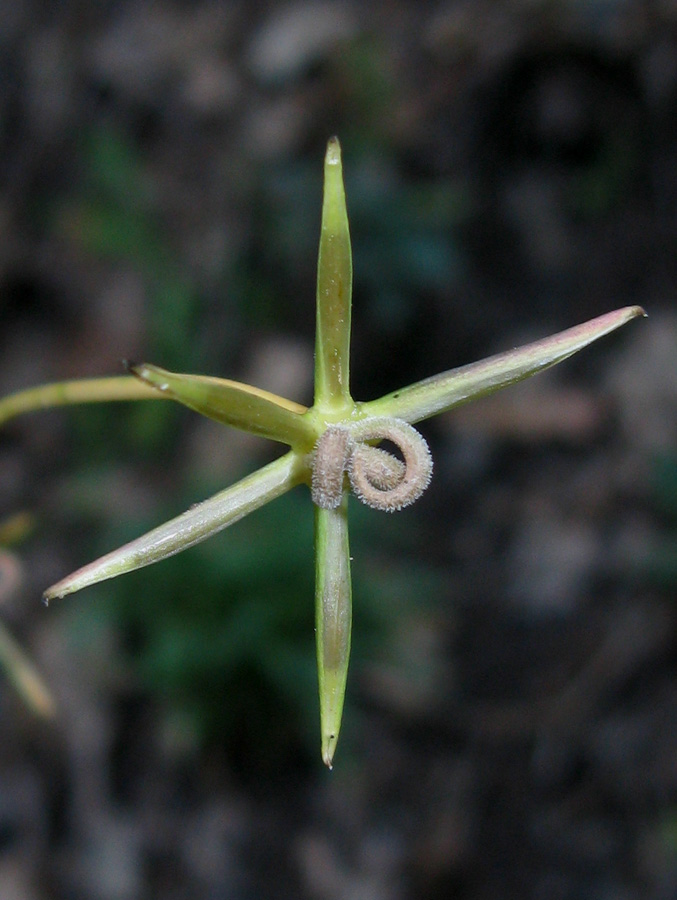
[(377, 477)]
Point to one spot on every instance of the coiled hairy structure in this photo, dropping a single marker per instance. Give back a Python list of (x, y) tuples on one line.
[(377, 477)]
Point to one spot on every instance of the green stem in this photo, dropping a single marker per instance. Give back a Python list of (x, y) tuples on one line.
[(66, 393)]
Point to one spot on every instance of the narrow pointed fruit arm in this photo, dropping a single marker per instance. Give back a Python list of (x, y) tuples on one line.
[(333, 592), (68, 393), (233, 403), (334, 291), (193, 526), (333, 617), (443, 392)]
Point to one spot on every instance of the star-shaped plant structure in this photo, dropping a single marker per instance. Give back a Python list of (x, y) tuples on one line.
[(332, 445)]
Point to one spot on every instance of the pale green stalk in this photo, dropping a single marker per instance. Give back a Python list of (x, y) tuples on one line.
[(66, 393)]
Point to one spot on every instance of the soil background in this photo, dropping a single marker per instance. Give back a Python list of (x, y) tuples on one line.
[(511, 170)]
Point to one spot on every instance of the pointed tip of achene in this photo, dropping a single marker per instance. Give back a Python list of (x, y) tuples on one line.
[(627, 313), (55, 592), (333, 157), (330, 735), (151, 375), (138, 369), (328, 750)]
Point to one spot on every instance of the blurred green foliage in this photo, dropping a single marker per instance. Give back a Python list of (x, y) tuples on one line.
[(112, 215)]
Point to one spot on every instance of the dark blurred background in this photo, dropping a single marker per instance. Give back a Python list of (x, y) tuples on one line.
[(510, 725)]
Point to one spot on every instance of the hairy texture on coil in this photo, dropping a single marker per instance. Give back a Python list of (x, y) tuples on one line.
[(330, 460), (366, 474), (377, 477), (385, 470)]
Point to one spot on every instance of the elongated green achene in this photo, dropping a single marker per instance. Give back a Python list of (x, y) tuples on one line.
[(334, 290), (195, 525), (443, 392), (346, 455), (233, 403), (333, 612)]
